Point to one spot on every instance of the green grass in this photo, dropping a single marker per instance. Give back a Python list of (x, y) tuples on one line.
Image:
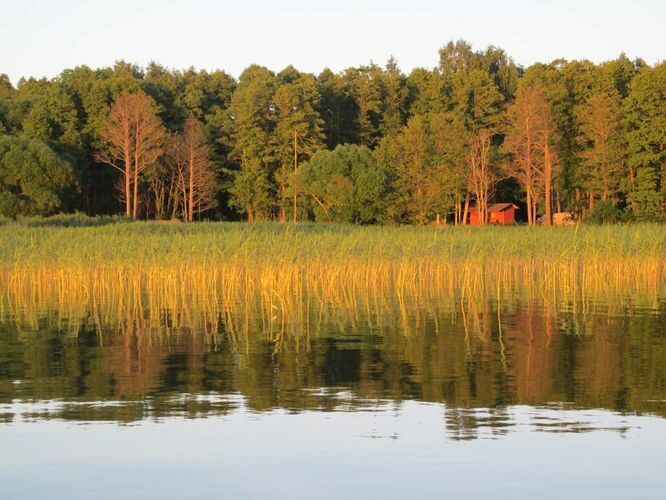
[(148, 242), (280, 272)]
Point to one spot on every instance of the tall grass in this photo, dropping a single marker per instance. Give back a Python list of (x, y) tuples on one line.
[(214, 270)]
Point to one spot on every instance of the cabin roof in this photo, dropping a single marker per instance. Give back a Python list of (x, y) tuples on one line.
[(497, 207), (500, 207)]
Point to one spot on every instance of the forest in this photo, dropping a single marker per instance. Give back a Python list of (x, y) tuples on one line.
[(367, 145)]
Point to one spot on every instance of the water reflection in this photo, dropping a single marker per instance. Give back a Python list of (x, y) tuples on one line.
[(509, 367)]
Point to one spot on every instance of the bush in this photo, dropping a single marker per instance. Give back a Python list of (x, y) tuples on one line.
[(606, 212), (77, 219), (34, 179)]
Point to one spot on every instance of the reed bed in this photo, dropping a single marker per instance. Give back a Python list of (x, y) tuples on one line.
[(211, 272)]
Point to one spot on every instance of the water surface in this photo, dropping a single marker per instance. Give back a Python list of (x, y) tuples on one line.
[(517, 400)]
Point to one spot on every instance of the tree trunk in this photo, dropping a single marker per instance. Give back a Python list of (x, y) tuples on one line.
[(483, 207), (577, 203), (190, 202), (295, 172), (128, 173), (128, 191), (136, 189), (466, 209), (136, 170), (548, 174), (283, 214), (184, 193)]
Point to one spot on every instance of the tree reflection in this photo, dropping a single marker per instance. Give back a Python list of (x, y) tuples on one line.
[(477, 362)]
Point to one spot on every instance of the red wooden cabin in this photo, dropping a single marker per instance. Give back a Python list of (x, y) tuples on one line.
[(498, 213)]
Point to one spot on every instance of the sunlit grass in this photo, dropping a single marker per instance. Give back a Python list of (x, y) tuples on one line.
[(215, 270)]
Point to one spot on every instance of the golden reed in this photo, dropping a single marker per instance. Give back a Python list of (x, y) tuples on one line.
[(283, 293)]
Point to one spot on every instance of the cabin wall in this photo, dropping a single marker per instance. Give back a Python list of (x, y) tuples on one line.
[(507, 216), (474, 219)]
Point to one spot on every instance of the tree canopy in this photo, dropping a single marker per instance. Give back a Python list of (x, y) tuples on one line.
[(368, 144), (34, 179)]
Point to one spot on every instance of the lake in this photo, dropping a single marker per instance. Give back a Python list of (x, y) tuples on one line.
[(517, 399)]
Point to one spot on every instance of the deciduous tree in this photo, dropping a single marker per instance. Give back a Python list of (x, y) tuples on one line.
[(482, 176), (196, 178), (134, 138), (528, 140), (34, 179)]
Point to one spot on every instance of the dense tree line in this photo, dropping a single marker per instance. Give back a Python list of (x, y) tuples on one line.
[(366, 145)]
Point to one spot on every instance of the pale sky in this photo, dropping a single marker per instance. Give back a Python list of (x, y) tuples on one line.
[(43, 37)]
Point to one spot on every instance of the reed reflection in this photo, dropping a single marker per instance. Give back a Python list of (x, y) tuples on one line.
[(478, 361)]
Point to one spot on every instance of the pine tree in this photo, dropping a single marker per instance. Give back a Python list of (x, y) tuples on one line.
[(645, 112)]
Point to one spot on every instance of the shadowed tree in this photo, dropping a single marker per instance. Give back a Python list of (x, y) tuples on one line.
[(602, 138), (426, 92), (366, 90), (422, 170), (413, 148), (196, 178), (298, 132), (450, 142), (34, 180), (394, 98), (252, 114), (337, 109), (251, 190), (645, 118)]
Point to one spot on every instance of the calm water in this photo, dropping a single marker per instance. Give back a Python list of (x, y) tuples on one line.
[(523, 401)]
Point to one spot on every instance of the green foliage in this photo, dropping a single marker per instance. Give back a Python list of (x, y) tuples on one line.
[(344, 185), (476, 100), (76, 219), (602, 143), (606, 212), (644, 198), (337, 108), (298, 130), (54, 117), (459, 57), (6, 87), (366, 90), (423, 159), (645, 115), (34, 180), (426, 92), (609, 136), (394, 98), (251, 190)]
